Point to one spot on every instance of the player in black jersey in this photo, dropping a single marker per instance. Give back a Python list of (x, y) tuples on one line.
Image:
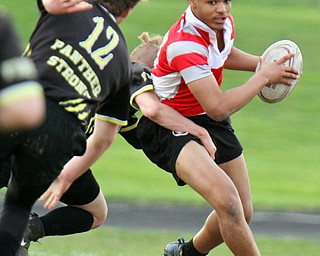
[(85, 70), (62, 221), (156, 111), (21, 96)]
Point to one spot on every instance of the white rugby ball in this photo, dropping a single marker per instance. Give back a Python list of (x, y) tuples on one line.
[(273, 93)]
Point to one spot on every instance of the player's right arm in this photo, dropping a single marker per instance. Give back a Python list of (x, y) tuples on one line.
[(143, 98), (152, 108), (102, 137), (248, 61), (219, 104)]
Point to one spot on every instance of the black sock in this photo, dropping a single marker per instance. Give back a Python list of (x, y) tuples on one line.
[(190, 250), (15, 215), (66, 221), (13, 222), (8, 244), (5, 172)]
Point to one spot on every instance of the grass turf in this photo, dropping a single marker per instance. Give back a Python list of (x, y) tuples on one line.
[(281, 141), (118, 242)]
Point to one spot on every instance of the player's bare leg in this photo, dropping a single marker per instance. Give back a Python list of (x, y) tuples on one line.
[(98, 208), (96, 211), (196, 168), (209, 236)]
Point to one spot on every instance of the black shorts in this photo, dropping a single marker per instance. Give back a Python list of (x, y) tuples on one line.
[(40, 154), (163, 146), (82, 191)]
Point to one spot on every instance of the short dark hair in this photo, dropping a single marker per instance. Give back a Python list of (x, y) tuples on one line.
[(118, 7)]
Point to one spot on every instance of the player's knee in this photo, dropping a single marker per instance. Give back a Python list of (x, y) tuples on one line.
[(230, 207), (99, 210), (100, 217), (232, 211)]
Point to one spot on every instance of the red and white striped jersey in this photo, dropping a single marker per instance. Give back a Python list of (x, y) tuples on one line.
[(189, 52)]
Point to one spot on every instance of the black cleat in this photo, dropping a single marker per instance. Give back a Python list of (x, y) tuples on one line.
[(174, 248), (33, 232)]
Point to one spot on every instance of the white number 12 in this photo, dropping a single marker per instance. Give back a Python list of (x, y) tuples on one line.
[(102, 56)]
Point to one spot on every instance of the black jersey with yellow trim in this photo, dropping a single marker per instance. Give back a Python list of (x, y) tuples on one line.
[(141, 82), (83, 63), (9, 44)]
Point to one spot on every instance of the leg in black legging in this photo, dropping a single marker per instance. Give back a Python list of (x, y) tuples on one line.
[(15, 214)]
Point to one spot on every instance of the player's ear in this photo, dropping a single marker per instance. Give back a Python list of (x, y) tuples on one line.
[(124, 15), (191, 2)]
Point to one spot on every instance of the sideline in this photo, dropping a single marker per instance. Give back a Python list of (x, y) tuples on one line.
[(182, 218), (190, 218)]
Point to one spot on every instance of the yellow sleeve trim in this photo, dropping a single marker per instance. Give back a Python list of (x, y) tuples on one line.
[(142, 90), (129, 128), (111, 120)]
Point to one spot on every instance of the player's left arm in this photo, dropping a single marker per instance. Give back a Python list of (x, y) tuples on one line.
[(101, 139), (240, 60)]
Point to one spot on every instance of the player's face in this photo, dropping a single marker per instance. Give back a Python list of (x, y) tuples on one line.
[(212, 13)]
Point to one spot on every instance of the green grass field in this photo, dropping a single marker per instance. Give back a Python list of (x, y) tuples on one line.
[(116, 242), (281, 141)]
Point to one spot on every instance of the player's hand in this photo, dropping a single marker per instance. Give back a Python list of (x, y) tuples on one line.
[(66, 6), (53, 194), (208, 144), (277, 72)]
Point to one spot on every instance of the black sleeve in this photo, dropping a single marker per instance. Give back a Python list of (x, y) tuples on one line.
[(9, 42), (129, 132), (10, 53), (13, 67), (116, 107), (141, 82)]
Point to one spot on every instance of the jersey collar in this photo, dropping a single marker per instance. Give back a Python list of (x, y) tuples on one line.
[(194, 21)]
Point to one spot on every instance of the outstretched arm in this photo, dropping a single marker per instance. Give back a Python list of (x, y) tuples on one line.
[(101, 139), (169, 118), (65, 6)]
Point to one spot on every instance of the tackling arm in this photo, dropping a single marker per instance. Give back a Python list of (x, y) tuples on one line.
[(169, 118), (101, 139)]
